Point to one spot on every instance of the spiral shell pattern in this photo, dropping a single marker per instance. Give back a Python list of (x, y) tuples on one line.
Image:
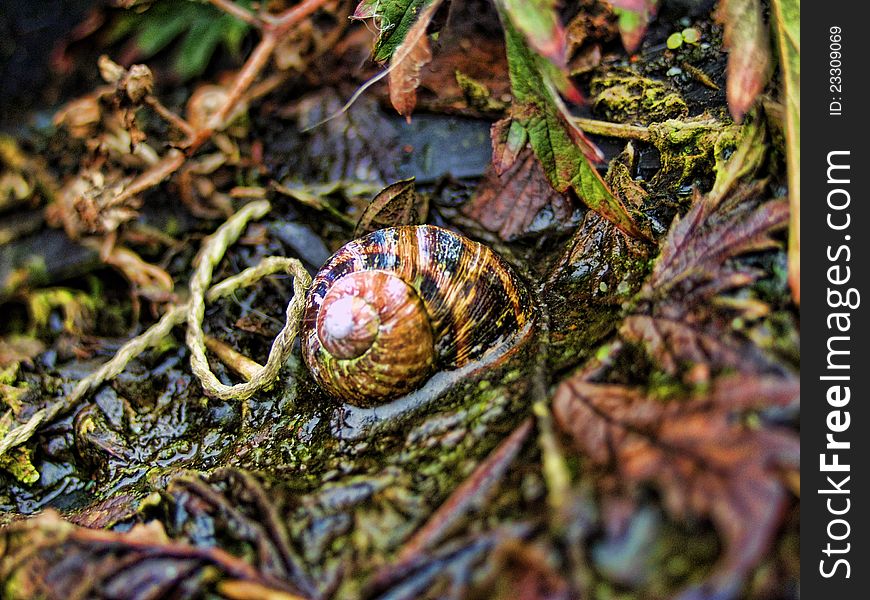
[(389, 309)]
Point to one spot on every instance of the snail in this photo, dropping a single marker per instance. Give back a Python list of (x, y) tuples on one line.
[(388, 310)]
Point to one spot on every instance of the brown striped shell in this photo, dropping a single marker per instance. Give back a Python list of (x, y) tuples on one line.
[(388, 310)]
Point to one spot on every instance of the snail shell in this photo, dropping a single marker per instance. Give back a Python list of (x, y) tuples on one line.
[(391, 308)]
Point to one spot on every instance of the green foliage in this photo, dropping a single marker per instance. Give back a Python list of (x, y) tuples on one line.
[(393, 18), (202, 26), (554, 142)]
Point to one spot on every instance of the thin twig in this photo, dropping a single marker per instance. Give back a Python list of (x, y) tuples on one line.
[(615, 130), (169, 116), (242, 14)]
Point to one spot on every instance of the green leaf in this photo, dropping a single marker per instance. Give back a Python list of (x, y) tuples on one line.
[(203, 26), (539, 22), (160, 25), (632, 19), (196, 49), (393, 18), (553, 139), (786, 16)]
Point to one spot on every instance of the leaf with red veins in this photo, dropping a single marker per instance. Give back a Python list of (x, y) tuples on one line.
[(508, 203), (749, 64), (704, 461), (633, 17), (411, 56)]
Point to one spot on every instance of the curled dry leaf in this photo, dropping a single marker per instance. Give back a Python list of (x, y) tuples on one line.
[(410, 56), (89, 203), (396, 204), (704, 461)]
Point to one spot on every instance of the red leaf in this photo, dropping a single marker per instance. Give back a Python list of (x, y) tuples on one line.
[(704, 461), (508, 203), (410, 56), (749, 63)]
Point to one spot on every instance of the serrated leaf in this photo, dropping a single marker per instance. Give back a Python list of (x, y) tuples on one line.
[(749, 64), (704, 461), (554, 140), (786, 17)]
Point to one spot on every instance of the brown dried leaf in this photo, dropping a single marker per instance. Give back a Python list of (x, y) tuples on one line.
[(396, 204), (674, 343), (521, 572), (47, 557), (749, 64), (704, 462), (698, 245), (508, 203), (410, 56)]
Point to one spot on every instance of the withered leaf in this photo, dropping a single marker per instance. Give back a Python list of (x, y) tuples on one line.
[(749, 63), (410, 56), (47, 557), (396, 204), (522, 572), (674, 343), (699, 244), (508, 203), (704, 461)]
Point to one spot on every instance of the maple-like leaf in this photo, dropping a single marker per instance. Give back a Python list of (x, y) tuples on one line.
[(678, 341), (633, 17), (748, 42), (705, 462), (508, 203)]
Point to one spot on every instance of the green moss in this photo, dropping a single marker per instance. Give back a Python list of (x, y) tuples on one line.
[(624, 97)]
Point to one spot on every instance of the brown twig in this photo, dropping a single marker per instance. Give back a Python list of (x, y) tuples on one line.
[(242, 14)]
